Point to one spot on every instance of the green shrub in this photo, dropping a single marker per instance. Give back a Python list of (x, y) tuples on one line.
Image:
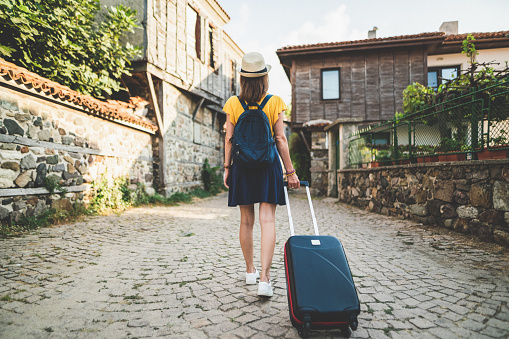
[(301, 159), (53, 185), (212, 181), (110, 194)]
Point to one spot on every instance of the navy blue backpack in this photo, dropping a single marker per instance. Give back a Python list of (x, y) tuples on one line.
[(252, 142)]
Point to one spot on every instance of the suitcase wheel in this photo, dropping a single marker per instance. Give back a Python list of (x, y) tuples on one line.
[(306, 327), (345, 331), (354, 323)]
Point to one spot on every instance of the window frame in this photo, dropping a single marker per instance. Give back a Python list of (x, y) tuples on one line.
[(197, 32), (210, 38), (339, 83), (439, 69)]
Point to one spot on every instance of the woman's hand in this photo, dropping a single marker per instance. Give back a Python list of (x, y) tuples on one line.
[(293, 181), (226, 177)]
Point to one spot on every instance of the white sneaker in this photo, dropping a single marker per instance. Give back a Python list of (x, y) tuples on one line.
[(265, 289), (251, 277)]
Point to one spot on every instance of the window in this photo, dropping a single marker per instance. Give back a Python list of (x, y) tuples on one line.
[(381, 139), (193, 27), (211, 46), (233, 80), (330, 84), (439, 75)]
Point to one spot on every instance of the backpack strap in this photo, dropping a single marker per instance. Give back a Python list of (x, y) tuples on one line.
[(243, 103), (246, 106), (264, 102)]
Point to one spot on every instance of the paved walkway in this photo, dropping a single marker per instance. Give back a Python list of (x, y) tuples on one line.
[(177, 272)]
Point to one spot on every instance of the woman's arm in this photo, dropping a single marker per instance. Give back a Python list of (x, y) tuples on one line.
[(227, 150), (282, 147)]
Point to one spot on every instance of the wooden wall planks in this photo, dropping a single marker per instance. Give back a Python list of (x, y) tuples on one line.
[(371, 83), (171, 46)]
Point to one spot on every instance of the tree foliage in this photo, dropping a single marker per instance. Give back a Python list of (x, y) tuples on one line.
[(62, 41)]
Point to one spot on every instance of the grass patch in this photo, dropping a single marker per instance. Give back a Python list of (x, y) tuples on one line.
[(389, 310), (133, 297), (388, 329), (47, 218), (6, 297)]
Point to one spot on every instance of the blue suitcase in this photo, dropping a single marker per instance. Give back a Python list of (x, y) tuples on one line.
[(321, 291)]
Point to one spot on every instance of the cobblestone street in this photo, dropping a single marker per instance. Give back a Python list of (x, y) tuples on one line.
[(178, 272)]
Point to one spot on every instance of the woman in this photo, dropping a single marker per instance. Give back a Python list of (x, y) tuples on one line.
[(247, 186)]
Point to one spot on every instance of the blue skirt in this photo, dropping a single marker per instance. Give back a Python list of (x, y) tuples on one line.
[(250, 186)]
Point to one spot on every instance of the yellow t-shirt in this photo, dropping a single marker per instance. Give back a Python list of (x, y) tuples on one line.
[(274, 106)]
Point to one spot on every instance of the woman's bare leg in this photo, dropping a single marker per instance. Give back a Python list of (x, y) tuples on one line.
[(268, 227), (247, 217)]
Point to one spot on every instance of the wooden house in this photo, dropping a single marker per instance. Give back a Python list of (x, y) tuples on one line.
[(186, 71), (339, 88)]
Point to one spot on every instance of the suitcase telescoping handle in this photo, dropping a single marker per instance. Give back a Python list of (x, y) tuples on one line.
[(290, 220)]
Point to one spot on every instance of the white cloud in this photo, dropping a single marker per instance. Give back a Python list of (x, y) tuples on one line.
[(333, 27)]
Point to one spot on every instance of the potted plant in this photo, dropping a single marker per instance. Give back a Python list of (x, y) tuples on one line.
[(494, 153), (381, 158)]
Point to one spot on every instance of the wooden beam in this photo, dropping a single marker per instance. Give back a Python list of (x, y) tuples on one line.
[(305, 141), (197, 108), (178, 81), (11, 192), (15, 139), (160, 123), (214, 119), (159, 118)]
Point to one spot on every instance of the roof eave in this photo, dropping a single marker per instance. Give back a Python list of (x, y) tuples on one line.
[(360, 46)]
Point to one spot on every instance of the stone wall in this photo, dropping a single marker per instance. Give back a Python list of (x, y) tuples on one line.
[(42, 137), (188, 142), (319, 163), (470, 197)]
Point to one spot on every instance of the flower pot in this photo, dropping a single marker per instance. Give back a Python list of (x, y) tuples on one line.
[(401, 162), (452, 157), (427, 158), (487, 154), (375, 164)]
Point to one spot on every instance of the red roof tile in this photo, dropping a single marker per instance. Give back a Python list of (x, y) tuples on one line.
[(452, 37), (111, 110), (365, 41), (478, 36)]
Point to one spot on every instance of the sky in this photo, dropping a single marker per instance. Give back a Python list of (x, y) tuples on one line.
[(265, 26)]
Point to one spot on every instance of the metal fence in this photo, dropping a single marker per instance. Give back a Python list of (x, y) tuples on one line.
[(459, 128)]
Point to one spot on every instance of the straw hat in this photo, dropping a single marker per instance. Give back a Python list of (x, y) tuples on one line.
[(253, 65)]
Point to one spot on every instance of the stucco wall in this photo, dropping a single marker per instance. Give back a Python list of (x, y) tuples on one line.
[(41, 138), (470, 197), (488, 55)]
